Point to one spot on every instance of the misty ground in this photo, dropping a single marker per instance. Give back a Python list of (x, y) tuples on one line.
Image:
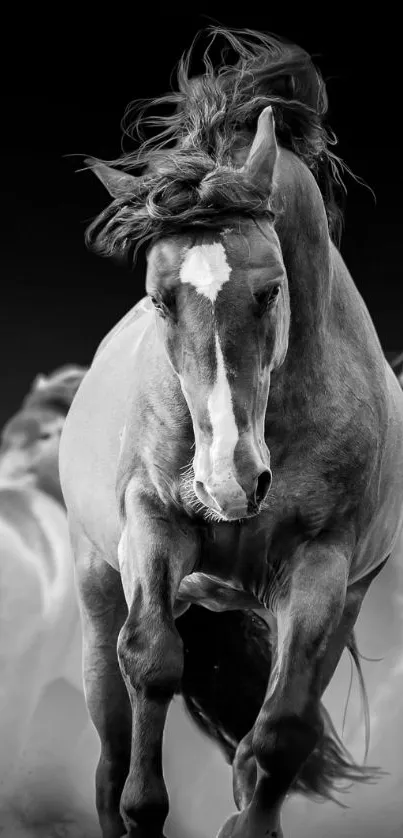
[(53, 791)]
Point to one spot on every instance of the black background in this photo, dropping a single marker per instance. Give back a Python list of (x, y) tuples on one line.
[(66, 81)]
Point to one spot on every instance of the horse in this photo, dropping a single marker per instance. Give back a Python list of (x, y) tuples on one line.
[(232, 461), (39, 618)]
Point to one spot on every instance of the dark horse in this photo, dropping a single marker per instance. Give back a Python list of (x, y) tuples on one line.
[(236, 444)]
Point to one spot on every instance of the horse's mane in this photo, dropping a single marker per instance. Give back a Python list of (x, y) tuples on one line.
[(55, 391), (189, 176)]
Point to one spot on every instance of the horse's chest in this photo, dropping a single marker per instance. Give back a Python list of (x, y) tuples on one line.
[(232, 572)]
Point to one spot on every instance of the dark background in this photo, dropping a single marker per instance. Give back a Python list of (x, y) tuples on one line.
[(65, 84)]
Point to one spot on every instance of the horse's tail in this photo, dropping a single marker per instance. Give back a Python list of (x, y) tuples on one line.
[(228, 658), (330, 766)]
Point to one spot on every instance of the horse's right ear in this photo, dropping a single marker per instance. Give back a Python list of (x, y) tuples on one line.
[(119, 184), (262, 158)]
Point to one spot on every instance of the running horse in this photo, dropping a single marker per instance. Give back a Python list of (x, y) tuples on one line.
[(236, 446), (38, 608)]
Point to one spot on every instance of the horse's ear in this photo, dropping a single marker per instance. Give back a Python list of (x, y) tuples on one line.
[(261, 161), (40, 382), (119, 184)]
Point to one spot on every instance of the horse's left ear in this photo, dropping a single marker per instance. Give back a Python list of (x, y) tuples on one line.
[(119, 184), (261, 161), (40, 382)]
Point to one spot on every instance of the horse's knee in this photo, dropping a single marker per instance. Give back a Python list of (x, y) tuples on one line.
[(151, 660), (244, 753), (284, 743), (244, 773)]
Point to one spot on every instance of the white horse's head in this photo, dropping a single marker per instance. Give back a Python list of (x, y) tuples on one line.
[(30, 439)]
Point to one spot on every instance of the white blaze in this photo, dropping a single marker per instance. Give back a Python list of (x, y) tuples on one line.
[(205, 267), (221, 412)]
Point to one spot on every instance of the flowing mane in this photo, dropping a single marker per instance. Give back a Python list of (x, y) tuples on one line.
[(189, 174), (55, 391)]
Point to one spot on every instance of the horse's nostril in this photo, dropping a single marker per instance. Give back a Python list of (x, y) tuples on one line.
[(204, 494), (262, 486)]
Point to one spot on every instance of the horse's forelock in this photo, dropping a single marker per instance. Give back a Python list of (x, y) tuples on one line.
[(176, 197)]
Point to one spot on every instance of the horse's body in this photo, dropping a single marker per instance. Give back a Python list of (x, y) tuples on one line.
[(261, 359), (39, 618)]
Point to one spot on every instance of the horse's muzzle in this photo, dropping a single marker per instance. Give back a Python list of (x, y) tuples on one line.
[(230, 500)]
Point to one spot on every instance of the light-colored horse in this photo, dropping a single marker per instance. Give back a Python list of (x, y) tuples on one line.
[(40, 634)]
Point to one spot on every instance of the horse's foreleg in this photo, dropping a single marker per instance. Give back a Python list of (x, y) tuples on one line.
[(289, 724), (153, 558), (103, 611), (245, 765)]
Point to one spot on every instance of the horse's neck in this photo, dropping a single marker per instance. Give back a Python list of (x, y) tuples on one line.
[(302, 227), (303, 230), (323, 297)]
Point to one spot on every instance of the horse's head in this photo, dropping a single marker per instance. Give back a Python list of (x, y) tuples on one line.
[(220, 291), (30, 447), (30, 440), (221, 298)]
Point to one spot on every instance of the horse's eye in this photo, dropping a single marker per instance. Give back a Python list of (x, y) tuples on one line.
[(266, 298), (273, 294), (164, 307), (45, 435)]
